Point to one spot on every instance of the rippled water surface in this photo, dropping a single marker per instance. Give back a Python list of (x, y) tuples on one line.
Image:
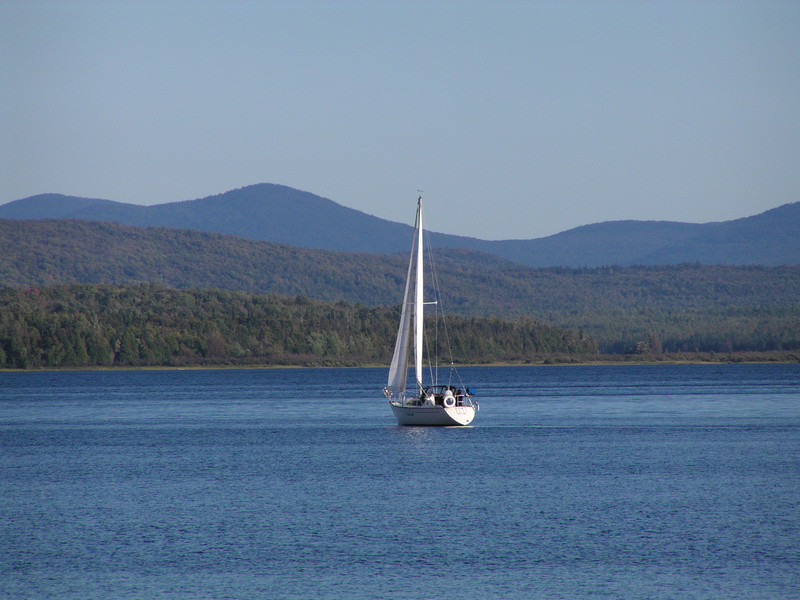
[(574, 482)]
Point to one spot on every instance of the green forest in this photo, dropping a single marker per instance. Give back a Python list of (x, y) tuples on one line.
[(629, 311), (87, 325)]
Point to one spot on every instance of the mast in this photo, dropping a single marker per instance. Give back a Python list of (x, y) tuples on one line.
[(418, 301)]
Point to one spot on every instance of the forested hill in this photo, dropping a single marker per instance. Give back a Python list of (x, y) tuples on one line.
[(670, 308), (281, 214)]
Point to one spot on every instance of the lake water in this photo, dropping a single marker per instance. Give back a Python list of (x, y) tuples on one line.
[(574, 482)]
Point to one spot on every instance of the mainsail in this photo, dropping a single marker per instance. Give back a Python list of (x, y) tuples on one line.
[(398, 369), (418, 302)]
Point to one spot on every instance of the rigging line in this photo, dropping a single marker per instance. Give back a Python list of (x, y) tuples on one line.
[(433, 357), (437, 289)]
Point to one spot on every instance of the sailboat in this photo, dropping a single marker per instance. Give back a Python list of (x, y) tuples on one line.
[(433, 403)]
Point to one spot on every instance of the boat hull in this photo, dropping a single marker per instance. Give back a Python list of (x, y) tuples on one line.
[(432, 415)]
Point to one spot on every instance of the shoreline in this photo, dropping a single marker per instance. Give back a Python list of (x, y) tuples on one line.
[(562, 360)]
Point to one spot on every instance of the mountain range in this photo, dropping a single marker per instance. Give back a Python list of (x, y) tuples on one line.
[(276, 213)]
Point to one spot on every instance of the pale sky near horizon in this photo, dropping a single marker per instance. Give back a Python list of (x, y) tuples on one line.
[(516, 119)]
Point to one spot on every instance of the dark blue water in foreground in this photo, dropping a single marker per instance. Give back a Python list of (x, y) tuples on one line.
[(575, 482)]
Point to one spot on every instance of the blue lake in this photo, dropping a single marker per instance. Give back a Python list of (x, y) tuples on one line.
[(673, 481)]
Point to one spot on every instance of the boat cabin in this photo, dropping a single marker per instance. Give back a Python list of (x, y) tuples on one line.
[(440, 395)]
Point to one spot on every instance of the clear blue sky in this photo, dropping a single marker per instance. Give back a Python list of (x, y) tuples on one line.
[(516, 119)]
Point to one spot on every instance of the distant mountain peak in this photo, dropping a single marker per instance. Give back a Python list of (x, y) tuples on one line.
[(278, 213)]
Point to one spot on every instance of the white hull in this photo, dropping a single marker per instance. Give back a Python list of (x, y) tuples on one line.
[(432, 415)]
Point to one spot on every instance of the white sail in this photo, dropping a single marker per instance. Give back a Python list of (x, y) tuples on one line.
[(398, 369), (419, 317)]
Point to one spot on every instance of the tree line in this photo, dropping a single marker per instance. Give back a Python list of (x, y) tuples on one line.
[(85, 325), (633, 310)]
